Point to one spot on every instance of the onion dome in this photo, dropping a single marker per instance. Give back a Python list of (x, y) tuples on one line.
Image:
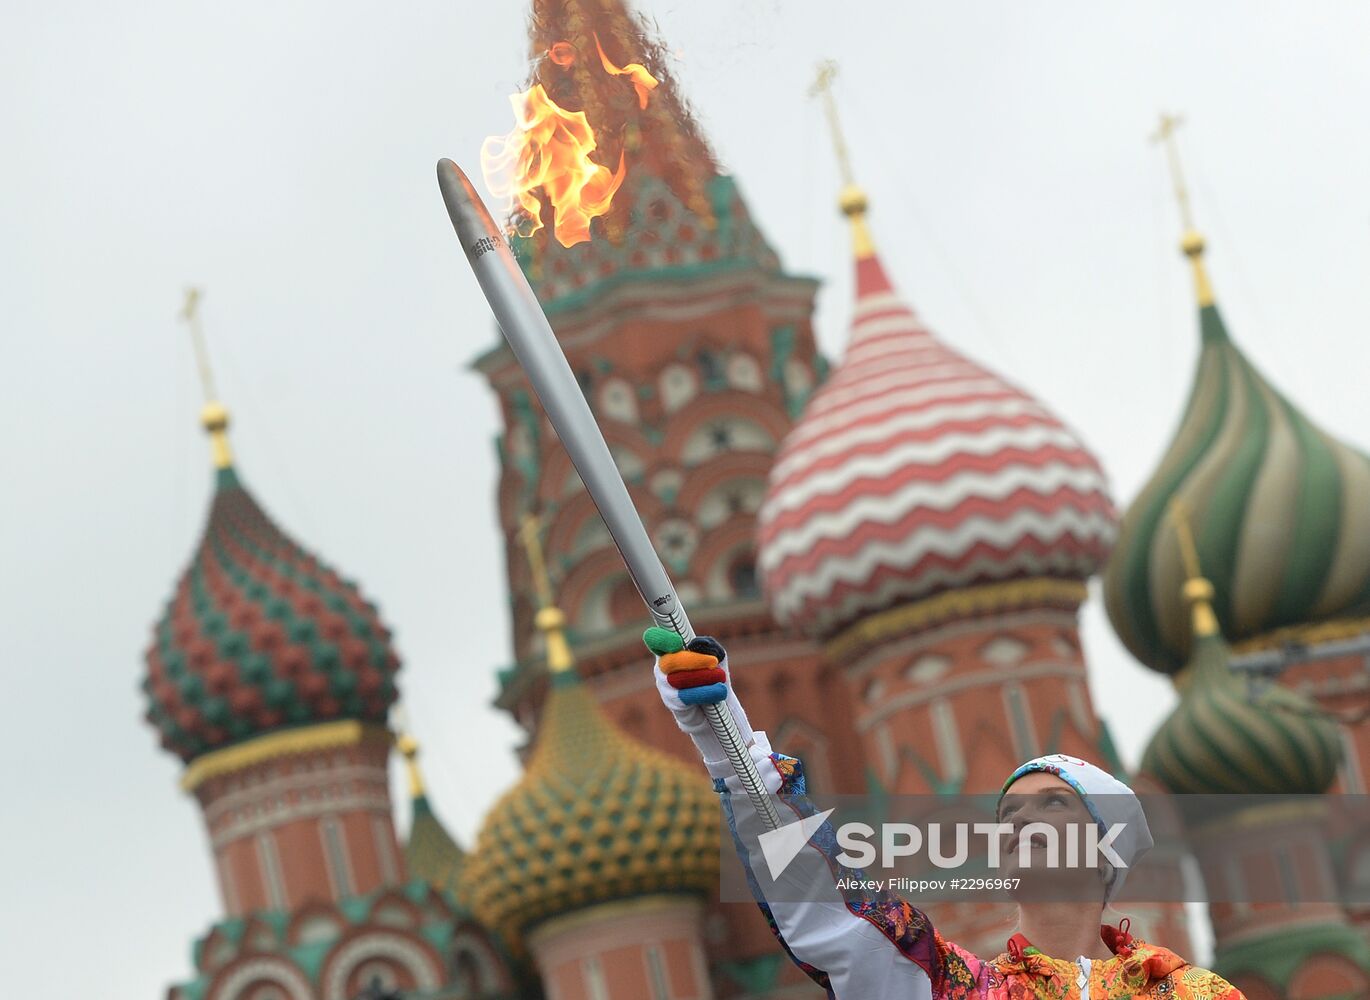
[(430, 854), (1226, 736), (675, 212), (1281, 511), (915, 470), (260, 634), (596, 816)]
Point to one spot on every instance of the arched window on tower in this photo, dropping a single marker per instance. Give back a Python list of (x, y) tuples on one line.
[(727, 434), (742, 577), (269, 859), (618, 401), (711, 370), (744, 373), (948, 740), (477, 970), (677, 387), (737, 497), (1020, 721), (335, 851)]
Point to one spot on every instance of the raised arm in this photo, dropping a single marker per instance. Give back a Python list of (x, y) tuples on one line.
[(857, 944)]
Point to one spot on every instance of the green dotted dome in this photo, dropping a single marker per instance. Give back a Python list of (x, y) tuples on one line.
[(260, 634)]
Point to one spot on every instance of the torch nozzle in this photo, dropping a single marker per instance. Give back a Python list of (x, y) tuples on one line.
[(470, 218)]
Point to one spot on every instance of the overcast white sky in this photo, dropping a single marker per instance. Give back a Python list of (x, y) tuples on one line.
[(282, 155)]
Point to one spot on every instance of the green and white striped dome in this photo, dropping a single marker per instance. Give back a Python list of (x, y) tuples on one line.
[(1228, 737), (1280, 510)]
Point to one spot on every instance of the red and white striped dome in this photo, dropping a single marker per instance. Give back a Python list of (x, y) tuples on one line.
[(914, 471)]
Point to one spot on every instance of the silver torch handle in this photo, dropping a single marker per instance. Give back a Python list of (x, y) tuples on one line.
[(530, 336)]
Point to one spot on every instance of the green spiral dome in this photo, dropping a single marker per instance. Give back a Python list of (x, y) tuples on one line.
[(1226, 737), (1280, 509)]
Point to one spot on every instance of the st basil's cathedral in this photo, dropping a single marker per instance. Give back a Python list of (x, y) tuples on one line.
[(894, 550)]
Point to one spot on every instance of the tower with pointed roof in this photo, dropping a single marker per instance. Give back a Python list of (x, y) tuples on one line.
[(1281, 519), (482, 966), (270, 676), (430, 853), (695, 350), (600, 860), (1279, 930)]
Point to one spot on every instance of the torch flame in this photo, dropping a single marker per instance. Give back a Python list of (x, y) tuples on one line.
[(550, 148), (643, 82)]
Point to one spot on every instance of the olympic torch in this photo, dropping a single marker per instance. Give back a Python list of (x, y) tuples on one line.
[(530, 336)]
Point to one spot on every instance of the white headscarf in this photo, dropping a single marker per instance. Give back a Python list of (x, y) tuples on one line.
[(1108, 800)]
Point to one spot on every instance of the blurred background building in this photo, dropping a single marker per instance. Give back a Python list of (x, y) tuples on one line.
[(893, 549)]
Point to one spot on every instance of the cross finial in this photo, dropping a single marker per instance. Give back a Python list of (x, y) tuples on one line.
[(190, 314), (1165, 136), (531, 535), (213, 415), (1197, 590), (1192, 243), (408, 747), (822, 88), (852, 199), (550, 620)]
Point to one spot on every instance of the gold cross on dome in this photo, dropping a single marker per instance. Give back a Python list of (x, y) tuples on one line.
[(190, 314), (1165, 136), (822, 88)]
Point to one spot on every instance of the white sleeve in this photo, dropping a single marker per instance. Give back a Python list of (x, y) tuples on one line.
[(810, 913)]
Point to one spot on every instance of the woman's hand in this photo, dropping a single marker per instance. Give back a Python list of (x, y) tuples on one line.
[(690, 675)]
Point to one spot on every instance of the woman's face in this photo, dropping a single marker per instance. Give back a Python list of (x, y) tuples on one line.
[(1035, 805)]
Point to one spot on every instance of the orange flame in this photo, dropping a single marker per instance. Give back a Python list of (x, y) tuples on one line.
[(550, 148), (643, 82)]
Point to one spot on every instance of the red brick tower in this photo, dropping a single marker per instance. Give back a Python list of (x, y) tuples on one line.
[(933, 526), (599, 861), (270, 676), (695, 350)]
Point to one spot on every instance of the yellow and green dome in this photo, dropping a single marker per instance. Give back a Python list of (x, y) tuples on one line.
[(1224, 737), (597, 816), (430, 853), (1281, 513)]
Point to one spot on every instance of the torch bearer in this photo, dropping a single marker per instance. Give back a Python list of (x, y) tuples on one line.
[(525, 326)]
